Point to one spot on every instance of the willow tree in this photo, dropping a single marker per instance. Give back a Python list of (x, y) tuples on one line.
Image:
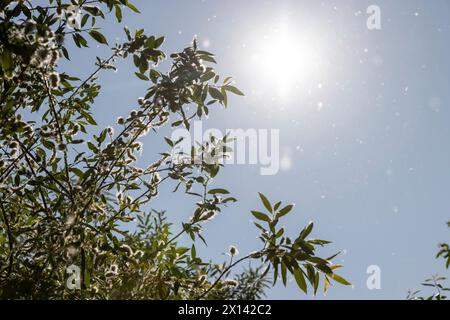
[(77, 219)]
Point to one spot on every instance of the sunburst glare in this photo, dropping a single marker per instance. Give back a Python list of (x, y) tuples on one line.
[(288, 60)]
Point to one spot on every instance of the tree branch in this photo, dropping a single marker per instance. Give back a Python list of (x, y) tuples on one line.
[(222, 274)]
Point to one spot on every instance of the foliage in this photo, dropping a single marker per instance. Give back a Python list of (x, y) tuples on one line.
[(71, 192), (251, 284), (435, 282), (444, 251)]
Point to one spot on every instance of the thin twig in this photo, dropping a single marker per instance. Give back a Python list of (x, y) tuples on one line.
[(51, 104), (43, 168), (10, 239), (222, 274)]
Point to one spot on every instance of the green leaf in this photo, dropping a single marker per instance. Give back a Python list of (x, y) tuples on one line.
[(260, 227), (285, 210), (324, 268), (207, 58), (154, 75), (79, 40), (182, 250), (232, 199), (118, 13), (97, 36), (48, 144), (7, 61), (316, 283), (169, 142), (300, 279), (92, 147), (275, 273), (87, 278), (306, 231), (88, 117), (141, 76), (261, 216), (207, 76), (265, 202), (284, 274), (78, 172), (193, 252), (336, 266), (320, 242), (279, 233), (216, 191), (84, 20), (339, 279), (158, 42), (95, 11), (65, 53), (132, 7), (214, 170), (227, 79), (225, 97), (233, 90), (276, 206), (216, 94), (326, 284), (332, 256)]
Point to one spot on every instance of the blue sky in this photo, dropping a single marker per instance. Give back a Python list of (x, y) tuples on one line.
[(365, 136)]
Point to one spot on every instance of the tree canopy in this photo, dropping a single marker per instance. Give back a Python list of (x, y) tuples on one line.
[(77, 219)]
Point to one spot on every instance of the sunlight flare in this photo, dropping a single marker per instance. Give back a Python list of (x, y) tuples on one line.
[(288, 59)]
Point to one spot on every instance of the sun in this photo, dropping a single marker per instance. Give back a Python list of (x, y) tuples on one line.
[(287, 60)]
